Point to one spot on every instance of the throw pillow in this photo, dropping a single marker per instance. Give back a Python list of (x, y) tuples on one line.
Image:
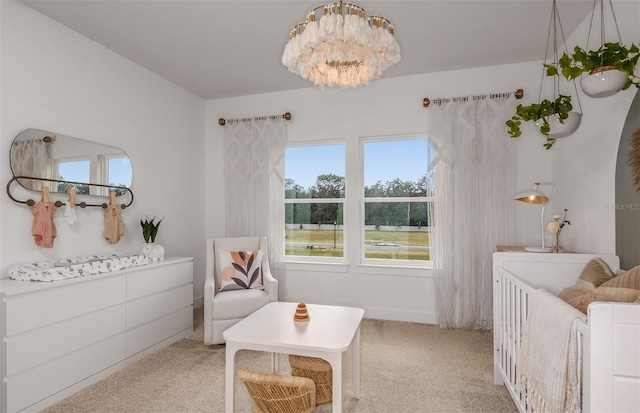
[(240, 270), (578, 298), (593, 275), (624, 287)]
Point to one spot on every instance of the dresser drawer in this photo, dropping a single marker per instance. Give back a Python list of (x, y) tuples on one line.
[(39, 383), (158, 330), (47, 343), (29, 311), (149, 308), (159, 279)]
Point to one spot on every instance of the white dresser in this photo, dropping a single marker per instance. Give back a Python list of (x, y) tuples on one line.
[(61, 336)]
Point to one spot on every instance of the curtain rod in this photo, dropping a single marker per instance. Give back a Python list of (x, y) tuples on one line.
[(223, 121), (518, 94)]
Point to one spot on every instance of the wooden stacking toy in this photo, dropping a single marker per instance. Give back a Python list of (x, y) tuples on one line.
[(302, 315)]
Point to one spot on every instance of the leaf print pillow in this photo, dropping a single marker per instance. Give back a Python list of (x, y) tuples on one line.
[(240, 270)]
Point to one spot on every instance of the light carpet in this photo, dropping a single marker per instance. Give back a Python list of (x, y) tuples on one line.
[(405, 367)]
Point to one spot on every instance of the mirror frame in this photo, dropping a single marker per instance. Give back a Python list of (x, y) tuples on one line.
[(94, 189)]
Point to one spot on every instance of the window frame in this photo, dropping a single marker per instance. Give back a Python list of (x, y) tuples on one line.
[(54, 169), (379, 262), (343, 201), (353, 205), (102, 171)]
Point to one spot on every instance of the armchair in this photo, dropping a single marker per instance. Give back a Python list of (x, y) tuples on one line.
[(223, 309)]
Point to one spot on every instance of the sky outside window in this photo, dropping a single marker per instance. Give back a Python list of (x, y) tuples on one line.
[(74, 171), (402, 159), (304, 164), (384, 161)]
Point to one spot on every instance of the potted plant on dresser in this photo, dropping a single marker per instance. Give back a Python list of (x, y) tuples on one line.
[(154, 251)]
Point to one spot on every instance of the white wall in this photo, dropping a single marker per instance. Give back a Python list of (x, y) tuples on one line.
[(584, 164), (386, 107), (56, 80)]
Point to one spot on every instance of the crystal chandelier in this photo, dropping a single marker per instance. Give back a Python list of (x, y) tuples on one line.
[(346, 47)]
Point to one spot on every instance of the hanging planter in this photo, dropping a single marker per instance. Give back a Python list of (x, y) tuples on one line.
[(609, 69), (604, 81), (559, 127), (553, 118)]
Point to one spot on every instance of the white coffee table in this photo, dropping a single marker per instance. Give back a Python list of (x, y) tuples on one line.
[(327, 335)]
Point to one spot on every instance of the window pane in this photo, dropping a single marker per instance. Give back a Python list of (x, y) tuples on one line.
[(314, 229), (120, 171), (75, 171), (397, 230), (396, 168), (119, 174), (315, 172)]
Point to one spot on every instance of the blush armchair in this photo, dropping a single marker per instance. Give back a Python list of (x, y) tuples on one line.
[(223, 309)]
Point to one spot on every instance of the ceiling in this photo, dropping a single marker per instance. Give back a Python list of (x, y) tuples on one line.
[(218, 49)]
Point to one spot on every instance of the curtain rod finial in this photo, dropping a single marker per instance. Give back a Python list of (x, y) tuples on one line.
[(221, 122), (519, 94), (426, 102), (287, 116)]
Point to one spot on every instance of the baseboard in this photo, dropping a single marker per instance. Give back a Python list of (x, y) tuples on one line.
[(198, 302), (399, 315), (423, 317)]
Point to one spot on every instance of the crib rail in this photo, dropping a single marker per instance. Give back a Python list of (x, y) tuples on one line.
[(511, 298)]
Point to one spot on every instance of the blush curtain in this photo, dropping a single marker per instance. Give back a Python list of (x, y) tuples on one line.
[(254, 181), (473, 211)]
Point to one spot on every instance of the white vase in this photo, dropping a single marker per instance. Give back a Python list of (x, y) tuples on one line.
[(561, 129), (604, 81), (154, 251)]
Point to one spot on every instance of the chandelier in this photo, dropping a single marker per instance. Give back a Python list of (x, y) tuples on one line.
[(346, 47)]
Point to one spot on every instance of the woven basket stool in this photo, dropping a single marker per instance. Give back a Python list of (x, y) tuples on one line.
[(316, 369), (283, 394)]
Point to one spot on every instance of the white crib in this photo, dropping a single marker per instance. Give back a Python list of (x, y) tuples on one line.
[(610, 338)]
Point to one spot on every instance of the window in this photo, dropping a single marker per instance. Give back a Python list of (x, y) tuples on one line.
[(74, 170), (395, 202), (314, 201), (114, 170), (381, 185)]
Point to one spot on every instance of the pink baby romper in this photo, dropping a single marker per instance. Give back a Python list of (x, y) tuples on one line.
[(43, 227), (113, 224)]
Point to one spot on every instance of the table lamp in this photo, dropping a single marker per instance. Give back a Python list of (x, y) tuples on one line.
[(534, 196)]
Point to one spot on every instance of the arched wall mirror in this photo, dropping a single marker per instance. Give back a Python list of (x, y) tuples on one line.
[(76, 163), (627, 198)]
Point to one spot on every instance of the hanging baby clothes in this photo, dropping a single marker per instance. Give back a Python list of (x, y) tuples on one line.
[(69, 213), (113, 224), (43, 228)]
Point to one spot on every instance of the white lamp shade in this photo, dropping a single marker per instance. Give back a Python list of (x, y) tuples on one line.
[(531, 196), (534, 196)]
